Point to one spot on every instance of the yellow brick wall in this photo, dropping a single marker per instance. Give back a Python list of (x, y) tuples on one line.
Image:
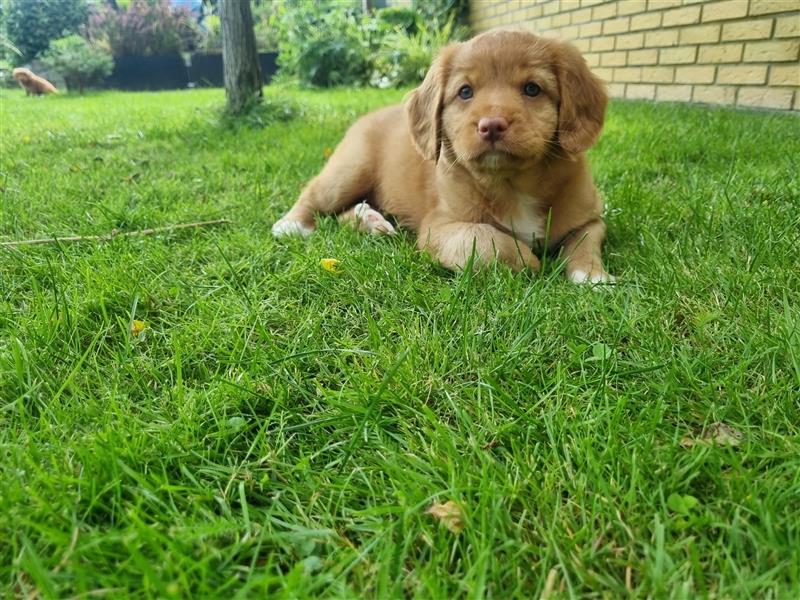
[(732, 52)]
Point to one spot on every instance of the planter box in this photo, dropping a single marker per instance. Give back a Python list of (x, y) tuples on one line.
[(206, 69), (269, 65), (138, 73), (148, 73)]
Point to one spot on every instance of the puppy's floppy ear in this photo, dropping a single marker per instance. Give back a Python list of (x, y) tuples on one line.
[(424, 106), (583, 100)]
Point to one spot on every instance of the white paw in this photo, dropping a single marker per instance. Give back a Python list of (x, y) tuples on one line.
[(581, 276), (372, 221), (289, 227)]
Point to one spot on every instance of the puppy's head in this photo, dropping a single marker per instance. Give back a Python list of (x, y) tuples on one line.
[(21, 74), (506, 99)]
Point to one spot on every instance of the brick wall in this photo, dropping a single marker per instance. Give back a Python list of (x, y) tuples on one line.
[(733, 52)]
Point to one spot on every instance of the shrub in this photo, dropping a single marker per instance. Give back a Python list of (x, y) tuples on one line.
[(327, 43), (438, 12), (8, 51), (78, 62), (325, 47), (404, 59), (32, 24), (145, 28), (211, 41), (266, 36), (397, 17)]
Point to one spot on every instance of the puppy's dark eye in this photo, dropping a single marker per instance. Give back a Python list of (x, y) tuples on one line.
[(465, 93), (531, 89)]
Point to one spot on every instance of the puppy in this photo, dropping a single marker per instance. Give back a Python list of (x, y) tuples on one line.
[(33, 84), (485, 160)]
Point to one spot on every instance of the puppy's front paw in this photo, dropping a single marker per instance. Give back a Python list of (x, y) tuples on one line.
[(530, 260), (591, 277), (371, 221), (286, 227)]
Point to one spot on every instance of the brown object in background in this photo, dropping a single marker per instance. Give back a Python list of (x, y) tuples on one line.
[(32, 83)]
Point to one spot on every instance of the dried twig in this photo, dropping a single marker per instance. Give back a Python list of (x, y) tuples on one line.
[(65, 559), (115, 234)]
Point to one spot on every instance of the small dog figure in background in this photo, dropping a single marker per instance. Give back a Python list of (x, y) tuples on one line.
[(32, 83)]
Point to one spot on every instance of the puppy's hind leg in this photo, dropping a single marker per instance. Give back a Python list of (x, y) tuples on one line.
[(348, 176)]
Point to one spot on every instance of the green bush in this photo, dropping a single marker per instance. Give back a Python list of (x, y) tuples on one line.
[(404, 59), (266, 37), (32, 24), (8, 52), (211, 41), (398, 17), (324, 44), (438, 12), (78, 62), (335, 43)]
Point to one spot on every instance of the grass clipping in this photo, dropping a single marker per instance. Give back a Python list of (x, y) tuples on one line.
[(116, 234), (448, 514)]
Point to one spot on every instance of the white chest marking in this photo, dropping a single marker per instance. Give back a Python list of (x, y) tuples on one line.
[(525, 221)]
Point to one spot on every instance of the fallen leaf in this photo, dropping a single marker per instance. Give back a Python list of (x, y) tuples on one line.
[(717, 434), (327, 152), (681, 504), (312, 564), (722, 434), (601, 352), (449, 514), (137, 327), (331, 264), (236, 423)]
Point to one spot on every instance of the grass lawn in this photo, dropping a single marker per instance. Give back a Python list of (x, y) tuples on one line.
[(280, 429)]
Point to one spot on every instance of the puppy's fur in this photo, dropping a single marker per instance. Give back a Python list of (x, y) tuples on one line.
[(467, 192), (33, 84)]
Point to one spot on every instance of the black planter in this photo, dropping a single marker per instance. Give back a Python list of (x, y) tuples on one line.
[(171, 73), (148, 73), (206, 69), (269, 65)]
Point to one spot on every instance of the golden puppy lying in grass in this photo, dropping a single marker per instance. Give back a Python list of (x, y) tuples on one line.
[(33, 84), (485, 159)]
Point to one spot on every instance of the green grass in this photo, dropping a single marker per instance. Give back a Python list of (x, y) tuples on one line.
[(278, 429)]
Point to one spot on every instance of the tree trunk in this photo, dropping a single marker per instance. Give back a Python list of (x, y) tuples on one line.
[(239, 56)]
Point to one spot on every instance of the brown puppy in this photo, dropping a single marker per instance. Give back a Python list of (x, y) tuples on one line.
[(33, 84), (486, 157)]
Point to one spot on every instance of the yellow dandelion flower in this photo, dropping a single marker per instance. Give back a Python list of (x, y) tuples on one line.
[(137, 327), (331, 264)]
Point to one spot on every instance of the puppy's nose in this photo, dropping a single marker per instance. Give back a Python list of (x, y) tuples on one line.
[(492, 129)]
